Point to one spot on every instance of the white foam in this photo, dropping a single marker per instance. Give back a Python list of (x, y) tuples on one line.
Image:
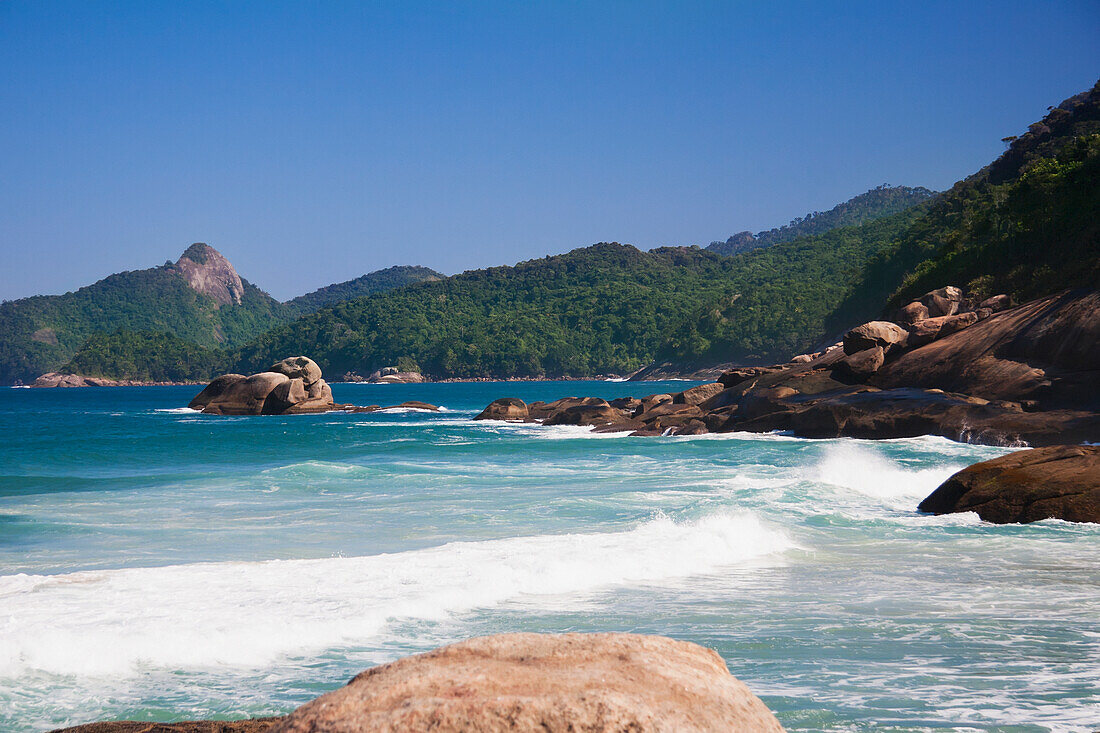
[(177, 410), (862, 469), (248, 614)]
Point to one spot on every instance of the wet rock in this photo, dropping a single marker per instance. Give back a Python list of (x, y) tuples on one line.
[(1059, 482), (545, 682), (506, 408)]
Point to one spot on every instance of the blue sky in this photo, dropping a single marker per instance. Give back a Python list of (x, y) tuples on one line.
[(312, 142)]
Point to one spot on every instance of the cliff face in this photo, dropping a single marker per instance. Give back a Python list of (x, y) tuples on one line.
[(208, 271)]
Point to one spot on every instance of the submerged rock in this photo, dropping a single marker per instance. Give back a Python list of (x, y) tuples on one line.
[(544, 682), (1056, 482)]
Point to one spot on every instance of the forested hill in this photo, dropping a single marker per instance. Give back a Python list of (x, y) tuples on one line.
[(866, 207), (373, 282), (199, 298), (598, 310), (1027, 225)]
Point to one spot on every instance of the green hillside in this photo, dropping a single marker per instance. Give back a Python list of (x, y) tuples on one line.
[(42, 333), (153, 357), (874, 204), (1026, 225), (597, 310), (373, 282)]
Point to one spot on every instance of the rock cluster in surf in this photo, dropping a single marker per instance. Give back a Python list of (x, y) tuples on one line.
[(293, 386), (944, 366)]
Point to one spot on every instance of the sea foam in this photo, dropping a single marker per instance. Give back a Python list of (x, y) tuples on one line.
[(248, 614)]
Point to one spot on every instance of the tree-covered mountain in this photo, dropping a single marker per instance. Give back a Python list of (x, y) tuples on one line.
[(145, 356), (1027, 225), (199, 298), (877, 203), (598, 310), (373, 282)]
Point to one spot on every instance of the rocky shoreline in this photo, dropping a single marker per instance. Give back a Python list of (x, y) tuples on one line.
[(1028, 375)]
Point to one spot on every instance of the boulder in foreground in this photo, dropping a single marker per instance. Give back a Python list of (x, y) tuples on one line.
[(544, 682), (252, 725), (1056, 482)]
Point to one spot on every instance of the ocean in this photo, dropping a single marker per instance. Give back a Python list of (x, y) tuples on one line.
[(159, 564)]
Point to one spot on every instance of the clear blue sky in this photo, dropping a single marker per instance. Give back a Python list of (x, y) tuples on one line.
[(314, 141)]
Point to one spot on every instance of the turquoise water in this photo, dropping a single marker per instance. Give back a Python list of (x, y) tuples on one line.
[(159, 564)]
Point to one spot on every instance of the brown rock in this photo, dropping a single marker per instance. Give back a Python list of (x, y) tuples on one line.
[(298, 367), (1060, 482), (699, 394), (875, 333), (737, 376), (1046, 351), (930, 329), (862, 364), (943, 302), (996, 303), (589, 414), (290, 392), (543, 682), (627, 404), (215, 389), (247, 396), (320, 390), (207, 271), (912, 313), (506, 408), (648, 403)]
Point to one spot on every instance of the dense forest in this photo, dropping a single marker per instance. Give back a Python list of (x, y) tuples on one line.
[(146, 356), (1026, 225), (877, 203), (42, 333), (369, 284)]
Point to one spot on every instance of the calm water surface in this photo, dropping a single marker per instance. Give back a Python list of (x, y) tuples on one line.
[(161, 565)]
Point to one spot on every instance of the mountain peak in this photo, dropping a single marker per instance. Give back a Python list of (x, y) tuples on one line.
[(207, 271)]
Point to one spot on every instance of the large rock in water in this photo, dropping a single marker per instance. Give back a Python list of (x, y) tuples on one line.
[(506, 408), (292, 386), (543, 682), (1059, 482)]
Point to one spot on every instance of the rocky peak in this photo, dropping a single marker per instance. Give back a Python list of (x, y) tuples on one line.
[(210, 273)]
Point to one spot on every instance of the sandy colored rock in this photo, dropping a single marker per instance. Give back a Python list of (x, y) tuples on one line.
[(930, 329), (1060, 482), (912, 313), (943, 302), (215, 389), (862, 364), (207, 271), (298, 367), (696, 395), (247, 396), (506, 408), (543, 682), (885, 334)]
